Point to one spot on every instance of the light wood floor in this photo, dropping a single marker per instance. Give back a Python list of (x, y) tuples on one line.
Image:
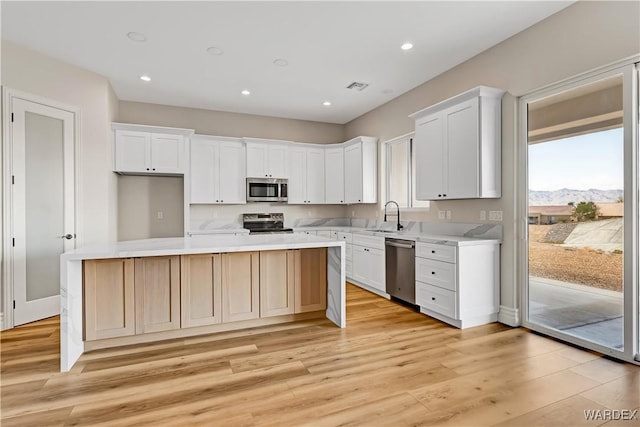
[(390, 366)]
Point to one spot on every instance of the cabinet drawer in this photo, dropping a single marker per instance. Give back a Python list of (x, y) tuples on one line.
[(347, 237), (436, 251), (369, 241), (438, 273), (437, 299)]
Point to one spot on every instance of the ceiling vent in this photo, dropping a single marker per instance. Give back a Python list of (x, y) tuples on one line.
[(358, 86)]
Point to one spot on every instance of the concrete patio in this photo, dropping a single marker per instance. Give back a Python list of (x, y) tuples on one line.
[(583, 311)]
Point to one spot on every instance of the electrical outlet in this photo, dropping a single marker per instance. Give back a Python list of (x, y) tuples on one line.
[(442, 214), (495, 215), (448, 214), (483, 215), (160, 215)]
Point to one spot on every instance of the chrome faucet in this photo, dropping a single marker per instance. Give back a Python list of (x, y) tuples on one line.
[(399, 226)]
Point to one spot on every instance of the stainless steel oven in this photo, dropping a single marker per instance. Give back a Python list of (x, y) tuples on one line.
[(266, 190)]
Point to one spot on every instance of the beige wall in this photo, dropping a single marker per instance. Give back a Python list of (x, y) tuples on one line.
[(140, 198), (220, 123), (582, 37)]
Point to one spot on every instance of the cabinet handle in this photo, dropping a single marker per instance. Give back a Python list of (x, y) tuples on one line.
[(433, 252), (341, 201), (439, 195), (433, 272), (433, 298), (154, 168), (147, 168), (221, 201), (217, 201), (444, 195)]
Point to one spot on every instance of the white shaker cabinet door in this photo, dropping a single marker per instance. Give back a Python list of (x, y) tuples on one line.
[(257, 161), (334, 175), (232, 182), (429, 140), (297, 183), (463, 151), (203, 173), (132, 151), (353, 173), (167, 153), (277, 161), (315, 175)]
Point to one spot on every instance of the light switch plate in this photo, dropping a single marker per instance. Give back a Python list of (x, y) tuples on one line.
[(442, 214), (483, 215), (448, 214), (495, 215), (160, 215)]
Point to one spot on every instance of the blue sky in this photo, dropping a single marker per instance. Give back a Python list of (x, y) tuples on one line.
[(579, 163)]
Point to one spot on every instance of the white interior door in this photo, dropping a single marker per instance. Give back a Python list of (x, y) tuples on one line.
[(43, 205)]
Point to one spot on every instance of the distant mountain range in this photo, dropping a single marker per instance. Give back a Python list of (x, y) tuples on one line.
[(565, 195)]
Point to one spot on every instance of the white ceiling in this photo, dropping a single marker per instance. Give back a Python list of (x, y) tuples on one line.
[(328, 45)]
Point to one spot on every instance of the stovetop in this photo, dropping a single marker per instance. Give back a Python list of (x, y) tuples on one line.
[(265, 223)]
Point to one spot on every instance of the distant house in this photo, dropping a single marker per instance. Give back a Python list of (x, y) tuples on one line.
[(544, 215), (610, 210)]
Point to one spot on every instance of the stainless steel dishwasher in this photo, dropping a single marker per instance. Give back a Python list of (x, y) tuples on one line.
[(400, 259)]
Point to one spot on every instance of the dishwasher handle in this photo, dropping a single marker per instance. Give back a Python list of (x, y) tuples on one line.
[(404, 244)]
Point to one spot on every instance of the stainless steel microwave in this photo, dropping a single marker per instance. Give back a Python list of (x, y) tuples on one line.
[(266, 190)]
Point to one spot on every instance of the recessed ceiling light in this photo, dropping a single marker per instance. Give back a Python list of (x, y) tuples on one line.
[(214, 51), (326, 103), (245, 92), (281, 62), (145, 78), (406, 46), (137, 37)]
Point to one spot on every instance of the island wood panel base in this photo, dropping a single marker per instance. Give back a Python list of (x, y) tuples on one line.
[(109, 280), (201, 330)]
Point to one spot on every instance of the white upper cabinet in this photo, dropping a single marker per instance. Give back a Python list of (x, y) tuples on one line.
[(458, 147), (217, 170), (266, 158), (149, 150), (306, 175), (360, 170), (334, 175)]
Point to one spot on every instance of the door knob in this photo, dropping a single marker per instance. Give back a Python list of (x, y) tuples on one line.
[(67, 236)]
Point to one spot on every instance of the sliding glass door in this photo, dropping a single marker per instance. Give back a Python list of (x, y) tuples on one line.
[(581, 208)]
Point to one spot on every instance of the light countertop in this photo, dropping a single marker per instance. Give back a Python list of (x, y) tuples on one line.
[(199, 244)]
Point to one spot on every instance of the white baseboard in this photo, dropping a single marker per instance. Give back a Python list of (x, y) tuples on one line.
[(509, 316)]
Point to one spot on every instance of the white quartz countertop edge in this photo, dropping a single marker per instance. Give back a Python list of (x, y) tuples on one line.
[(410, 235), (199, 245)]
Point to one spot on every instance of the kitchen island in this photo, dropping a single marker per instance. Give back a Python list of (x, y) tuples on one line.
[(79, 299)]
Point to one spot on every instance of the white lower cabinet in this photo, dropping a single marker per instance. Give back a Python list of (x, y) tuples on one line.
[(458, 285), (368, 262)]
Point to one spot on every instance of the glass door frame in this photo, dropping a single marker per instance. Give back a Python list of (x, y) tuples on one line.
[(631, 293)]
